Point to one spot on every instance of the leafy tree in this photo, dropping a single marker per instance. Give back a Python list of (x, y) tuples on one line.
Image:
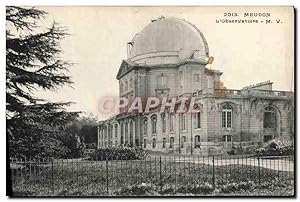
[(33, 63)]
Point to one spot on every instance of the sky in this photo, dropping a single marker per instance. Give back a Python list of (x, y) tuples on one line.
[(245, 53)]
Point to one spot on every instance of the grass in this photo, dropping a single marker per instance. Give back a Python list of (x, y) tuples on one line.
[(132, 178)]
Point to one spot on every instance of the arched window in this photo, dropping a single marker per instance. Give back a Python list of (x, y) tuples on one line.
[(131, 133), (227, 116), (197, 120), (145, 143), (171, 122), (145, 126), (171, 142), (197, 141), (164, 143), (154, 143), (153, 123), (122, 133), (126, 133), (105, 133), (163, 120), (183, 140), (116, 131), (110, 135)]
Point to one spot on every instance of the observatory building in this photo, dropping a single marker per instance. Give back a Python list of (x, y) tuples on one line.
[(169, 58)]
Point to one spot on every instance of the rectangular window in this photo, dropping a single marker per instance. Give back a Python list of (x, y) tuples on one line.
[(269, 120), (227, 118), (145, 143), (164, 143), (224, 119), (197, 120), (154, 143), (171, 122), (180, 75), (227, 138), (196, 78), (171, 142), (183, 122)]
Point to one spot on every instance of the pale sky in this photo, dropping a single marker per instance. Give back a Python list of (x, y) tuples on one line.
[(245, 53)]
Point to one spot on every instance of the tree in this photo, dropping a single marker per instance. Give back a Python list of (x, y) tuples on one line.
[(33, 63), (77, 133)]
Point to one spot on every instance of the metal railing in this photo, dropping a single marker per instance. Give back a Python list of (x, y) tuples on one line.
[(164, 174)]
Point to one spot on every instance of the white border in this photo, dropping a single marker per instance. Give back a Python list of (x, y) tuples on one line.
[(107, 3)]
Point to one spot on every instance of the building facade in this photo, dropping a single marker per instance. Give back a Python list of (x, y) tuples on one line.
[(169, 58)]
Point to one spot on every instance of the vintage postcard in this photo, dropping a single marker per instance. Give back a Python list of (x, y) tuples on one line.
[(150, 101)]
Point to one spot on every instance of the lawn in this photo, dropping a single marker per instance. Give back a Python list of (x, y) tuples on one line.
[(148, 178)]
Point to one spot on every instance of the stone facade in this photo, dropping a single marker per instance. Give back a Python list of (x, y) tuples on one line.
[(227, 118)]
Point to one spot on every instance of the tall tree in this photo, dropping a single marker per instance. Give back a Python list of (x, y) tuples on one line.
[(33, 63)]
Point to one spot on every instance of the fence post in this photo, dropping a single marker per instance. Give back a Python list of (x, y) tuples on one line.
[(52, 176), (160, 178), (213, 171), (258, 169), (107, 174)]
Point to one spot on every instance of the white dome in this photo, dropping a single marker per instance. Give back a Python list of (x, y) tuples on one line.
[(167, 41)]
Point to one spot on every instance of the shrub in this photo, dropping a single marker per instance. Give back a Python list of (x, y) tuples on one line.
[(118, 153), (277, 147), (233, 187), (137, 190)]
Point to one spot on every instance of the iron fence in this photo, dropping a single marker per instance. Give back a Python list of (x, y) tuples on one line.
[(162, 174)]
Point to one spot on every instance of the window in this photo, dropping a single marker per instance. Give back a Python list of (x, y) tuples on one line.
[(198, 120), (145, 126), (171, 142), (145, 143), (122, 133), (130, 83), (131, 133), (227, 117), (105, 132), (269, 118), (183, 140), (122, 88), (197, 141), (162, 80), (196, 78), (164, 143), (163, 119), (116, 131), (154, 143), (126, 133), (171, 122), (227, 138), (180, 75), (153, 123), (183, 122)]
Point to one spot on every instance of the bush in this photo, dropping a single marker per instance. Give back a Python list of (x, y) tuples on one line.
[(118, 153), (277, 147), (233, 187), (142, 189)]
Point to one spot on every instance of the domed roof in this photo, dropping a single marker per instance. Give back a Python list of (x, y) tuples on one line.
[(168, 40)]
